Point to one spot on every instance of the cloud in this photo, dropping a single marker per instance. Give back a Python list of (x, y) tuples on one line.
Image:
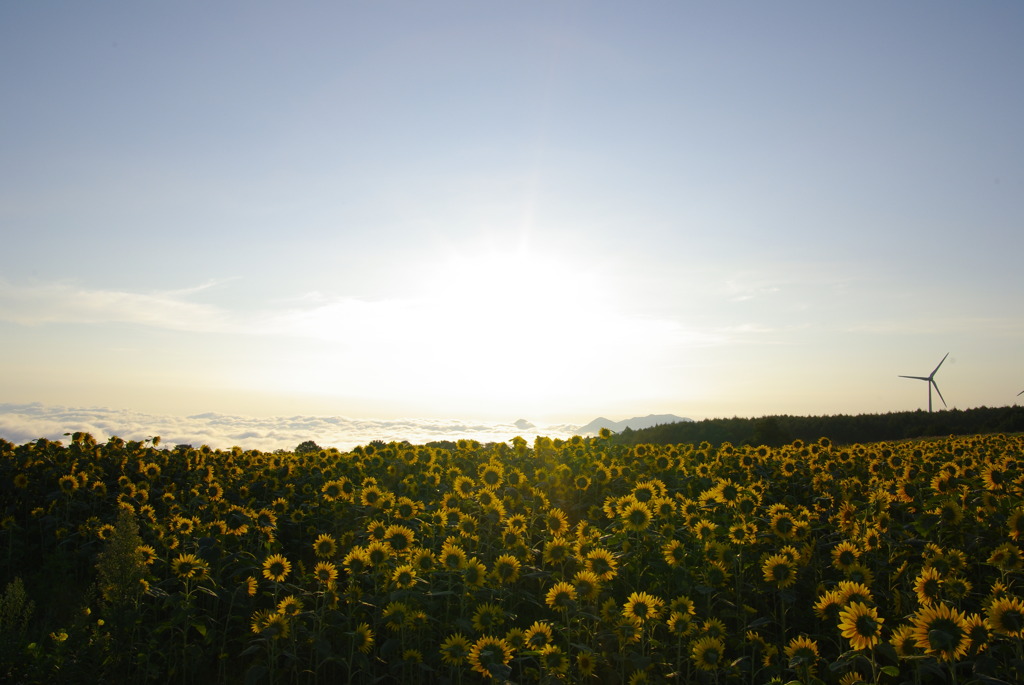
[(67, 303), (21, 423)]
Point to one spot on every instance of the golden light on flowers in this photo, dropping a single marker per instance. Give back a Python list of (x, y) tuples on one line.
[(861, 625), (561, 595), (538, 635), (852, 591), (601, 562), (363, 638), (779, 570), (325, 573), (802, 651), (708, 653), (490, 656), (455, 649), (488, 617), (400, 538), (506, 569), (674, 553), (642, 606), (189, 566), (276, 568), (403, 577), (1006, 616), (927, 586), (845, 555), (941, 630), (325, 546), (587, 584)]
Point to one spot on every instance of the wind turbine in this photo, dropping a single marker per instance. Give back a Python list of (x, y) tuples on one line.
[(930, 379)]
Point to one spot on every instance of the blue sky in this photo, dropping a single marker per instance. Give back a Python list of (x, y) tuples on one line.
[(549, 210)]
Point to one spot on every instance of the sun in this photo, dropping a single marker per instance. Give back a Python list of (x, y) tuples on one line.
[(509, 321)]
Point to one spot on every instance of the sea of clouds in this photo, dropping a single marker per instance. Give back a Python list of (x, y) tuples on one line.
[(21, 423)]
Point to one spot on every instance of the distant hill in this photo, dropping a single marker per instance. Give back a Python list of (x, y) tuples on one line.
[(635, 423)]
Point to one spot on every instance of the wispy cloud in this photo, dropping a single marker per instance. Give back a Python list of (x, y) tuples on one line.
[(68, 303), (20, 423)]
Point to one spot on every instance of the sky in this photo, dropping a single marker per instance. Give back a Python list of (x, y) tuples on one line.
[(490, 211)]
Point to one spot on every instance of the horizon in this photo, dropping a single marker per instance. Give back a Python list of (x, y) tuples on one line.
[(21, 424), (549, 212)]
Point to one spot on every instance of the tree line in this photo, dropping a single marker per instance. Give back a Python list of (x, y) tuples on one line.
[(841, 429)]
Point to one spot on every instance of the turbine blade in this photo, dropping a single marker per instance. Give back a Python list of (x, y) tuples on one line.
[(1020, 393), (940, 393), (919, 378), (940, 364)]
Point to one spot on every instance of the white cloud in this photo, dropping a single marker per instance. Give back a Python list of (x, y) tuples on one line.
[(20, 423), (67, 303)]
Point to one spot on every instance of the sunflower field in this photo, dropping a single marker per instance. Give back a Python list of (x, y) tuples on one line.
[(576, 561)]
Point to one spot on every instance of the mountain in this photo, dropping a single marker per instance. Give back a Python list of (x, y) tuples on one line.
[(635, 423)]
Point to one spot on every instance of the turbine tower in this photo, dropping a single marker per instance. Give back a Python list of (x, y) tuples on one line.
[(930, 379)]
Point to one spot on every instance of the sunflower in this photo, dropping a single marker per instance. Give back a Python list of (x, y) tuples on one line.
[(716, 574), (362, 638), (927, 586), (861, 625), (400, 538), (325, 547), (556, 521), (67, 484), (189, 567), (506, 569), (491, 474), (845, 555), (276, 568), (561, 595), (403, 577), (679, 623), (488, 617), (325, 573), (674, 553), (356, 561), (802, 652), (1006, 557), (636, 516), (586, 664), (272, 624), (903, 641), (1006, 616), (779, 570), (978, 631), (516, 638), (708, 653), (852, 591), (422, 559), (557, 550), (378, 553), (290, 606), (538, 635), (489, 656), (453, 557), (553, 659), (250, 586), (704, 529), (956, 588), (941, 631), (601, 562), (398, 615), (474, 573), (587, 584), (642, 606), (455, 649), (147, 554)]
